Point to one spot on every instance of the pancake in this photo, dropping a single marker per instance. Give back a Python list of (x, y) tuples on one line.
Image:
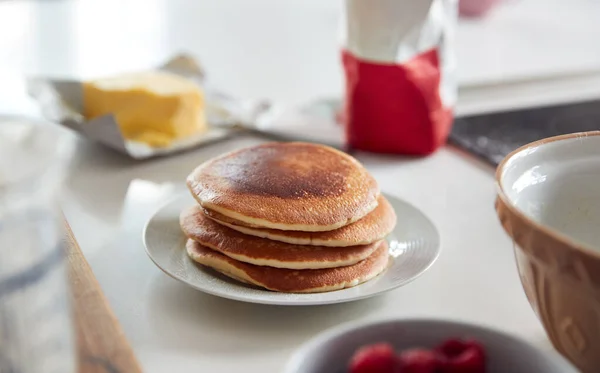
[(287, 186), (262, 252), (289, 280), (372, 228)]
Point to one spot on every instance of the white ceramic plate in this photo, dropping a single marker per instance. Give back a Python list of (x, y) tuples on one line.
[(414, 246)]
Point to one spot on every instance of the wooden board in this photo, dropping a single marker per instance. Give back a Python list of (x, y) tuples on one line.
[(101, 343)]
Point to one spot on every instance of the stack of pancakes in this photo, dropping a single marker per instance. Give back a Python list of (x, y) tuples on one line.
[(288, 217)]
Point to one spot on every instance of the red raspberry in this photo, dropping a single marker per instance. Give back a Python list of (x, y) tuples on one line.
[(462, 356), (418, 360), (452, 347), (377, 358)]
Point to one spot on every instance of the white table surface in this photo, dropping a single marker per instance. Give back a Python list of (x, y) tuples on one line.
[(284, 50)]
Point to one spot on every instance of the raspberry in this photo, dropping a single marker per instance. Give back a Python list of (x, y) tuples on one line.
[(377, 358), (452, 347), (462, 356), (418, 360)]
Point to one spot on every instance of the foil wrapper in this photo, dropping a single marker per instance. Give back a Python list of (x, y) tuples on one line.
[(61, 101), (317, 121)]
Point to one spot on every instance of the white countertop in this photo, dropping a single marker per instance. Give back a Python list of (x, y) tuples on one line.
[(284, 50)]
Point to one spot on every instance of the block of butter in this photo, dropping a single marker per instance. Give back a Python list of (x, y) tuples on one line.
[(154, 107)]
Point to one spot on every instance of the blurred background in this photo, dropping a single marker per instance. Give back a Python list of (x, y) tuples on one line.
[(289, 50), (510, 54)]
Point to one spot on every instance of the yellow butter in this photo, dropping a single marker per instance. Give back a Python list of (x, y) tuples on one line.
[(155, 108)]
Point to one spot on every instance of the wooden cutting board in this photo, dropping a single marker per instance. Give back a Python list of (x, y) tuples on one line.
[(101, 343)]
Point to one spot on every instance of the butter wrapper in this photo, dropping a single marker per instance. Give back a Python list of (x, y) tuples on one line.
[(61, 101), (316, 121)]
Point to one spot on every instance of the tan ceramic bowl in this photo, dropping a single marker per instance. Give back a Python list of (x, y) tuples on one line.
[(549, 203)]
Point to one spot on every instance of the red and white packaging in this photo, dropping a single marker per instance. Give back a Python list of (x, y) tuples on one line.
[(400, 74)]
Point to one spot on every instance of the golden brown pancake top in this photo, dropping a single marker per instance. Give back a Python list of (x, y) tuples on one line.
[(288, 280), (197, 226), (286, 172), (286, 183), (373, 227)]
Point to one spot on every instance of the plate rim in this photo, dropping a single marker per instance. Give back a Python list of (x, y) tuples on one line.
[(277, 302)]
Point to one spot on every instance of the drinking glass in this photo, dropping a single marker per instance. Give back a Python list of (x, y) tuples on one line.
[(36, 332)]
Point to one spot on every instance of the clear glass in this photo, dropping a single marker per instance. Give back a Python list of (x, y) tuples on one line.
[(36, 330)]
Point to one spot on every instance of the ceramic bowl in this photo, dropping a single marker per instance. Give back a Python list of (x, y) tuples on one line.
[(549, 203), (331, 351)]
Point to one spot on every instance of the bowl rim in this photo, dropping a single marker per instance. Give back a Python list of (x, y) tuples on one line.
[(555, 235), (300, 353)]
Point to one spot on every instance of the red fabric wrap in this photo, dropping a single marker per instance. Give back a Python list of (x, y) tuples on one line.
[(395, 108)]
